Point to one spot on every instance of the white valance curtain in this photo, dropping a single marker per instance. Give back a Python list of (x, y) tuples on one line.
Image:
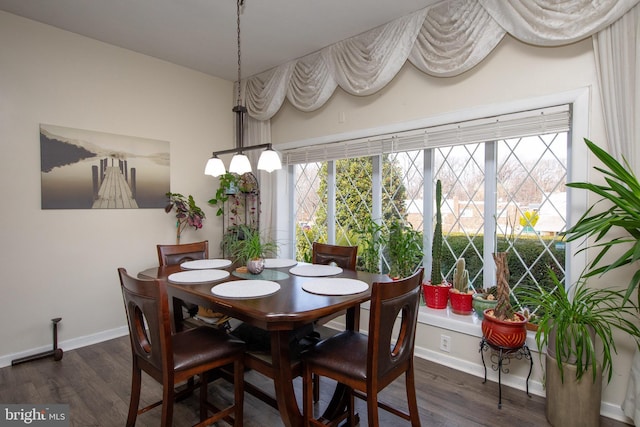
[(444, 39)]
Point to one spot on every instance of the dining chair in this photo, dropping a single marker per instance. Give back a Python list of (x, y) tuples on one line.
[(342, 256), (177, 254), (367, 364), (172, 359)]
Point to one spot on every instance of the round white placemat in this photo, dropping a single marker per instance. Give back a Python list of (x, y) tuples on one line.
[(335, 286), (245, 288), (198, 276), (279, 262), (315, 270), (199, 264)]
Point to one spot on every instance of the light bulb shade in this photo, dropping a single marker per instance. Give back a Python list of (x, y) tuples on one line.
[(215, 167), (269, 161), (240, 164)]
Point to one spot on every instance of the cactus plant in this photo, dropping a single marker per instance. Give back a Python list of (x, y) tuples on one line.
[(436, 248), (461, 277), (460, 296)]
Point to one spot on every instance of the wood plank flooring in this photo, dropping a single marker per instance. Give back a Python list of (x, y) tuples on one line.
[(95, 382)]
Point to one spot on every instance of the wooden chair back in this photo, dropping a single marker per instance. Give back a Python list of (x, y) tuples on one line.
[(388, 300), (177, 254), (342, 256)]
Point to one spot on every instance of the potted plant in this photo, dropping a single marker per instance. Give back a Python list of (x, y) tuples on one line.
[(502, 326), (370, 242), (405, 249), (187, 213), (228, 186), (436, 291), (617, 210), (251, 249), (460, 295), (484, 300), (569, 323)]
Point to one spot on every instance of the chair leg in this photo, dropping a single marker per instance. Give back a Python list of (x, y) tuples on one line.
[(351, 407), (372, 407), (411, 397), (307, 395), (134, 401), (204, 389), (238, 396), (316, 388), (168, 396)]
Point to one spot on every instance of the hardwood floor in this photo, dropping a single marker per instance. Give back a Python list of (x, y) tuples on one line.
[(95, 382)]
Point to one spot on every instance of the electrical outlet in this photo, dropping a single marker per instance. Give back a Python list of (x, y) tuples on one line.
[(445, 343)]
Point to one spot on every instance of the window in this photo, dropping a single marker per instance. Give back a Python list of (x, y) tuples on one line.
[(503, 189)]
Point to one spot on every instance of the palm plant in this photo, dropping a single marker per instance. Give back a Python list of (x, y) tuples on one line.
[(622, 191), (570, 318)]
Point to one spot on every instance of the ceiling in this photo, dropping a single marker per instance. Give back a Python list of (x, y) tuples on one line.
[(201, 34)]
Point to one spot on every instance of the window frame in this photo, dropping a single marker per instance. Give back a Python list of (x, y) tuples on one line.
[(577, 168)]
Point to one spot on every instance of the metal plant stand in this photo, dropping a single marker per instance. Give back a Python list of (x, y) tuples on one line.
[(498, 356)]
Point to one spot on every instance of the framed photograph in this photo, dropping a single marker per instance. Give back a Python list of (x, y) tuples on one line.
[(82, 169)]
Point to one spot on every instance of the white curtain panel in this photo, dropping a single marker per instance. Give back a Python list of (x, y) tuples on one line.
[(444, 39), (617, 52)]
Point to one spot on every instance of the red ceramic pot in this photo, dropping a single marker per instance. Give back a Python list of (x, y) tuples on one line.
[(436, 296), (504, 333), (461, 303)]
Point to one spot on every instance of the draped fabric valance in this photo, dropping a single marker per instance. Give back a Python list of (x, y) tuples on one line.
[(444, 39)]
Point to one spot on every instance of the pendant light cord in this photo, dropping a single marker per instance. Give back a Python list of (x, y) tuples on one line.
[(239, 4)]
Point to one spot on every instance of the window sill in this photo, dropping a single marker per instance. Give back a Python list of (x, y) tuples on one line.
[(446, 319), (465, 324)]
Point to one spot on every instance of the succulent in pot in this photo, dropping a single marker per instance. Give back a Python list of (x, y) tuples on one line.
[(484, 300)]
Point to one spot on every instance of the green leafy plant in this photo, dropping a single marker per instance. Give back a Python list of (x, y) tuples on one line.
[(187, 213), (567, 319), (250, 245), (622, 192), (405, 249), (228, 185), (436, 247), (370, 242)]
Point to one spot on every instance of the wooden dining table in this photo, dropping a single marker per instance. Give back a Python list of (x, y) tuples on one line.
[(281, 314)]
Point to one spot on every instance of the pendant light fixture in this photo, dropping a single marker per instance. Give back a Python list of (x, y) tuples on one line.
[(269, 159)]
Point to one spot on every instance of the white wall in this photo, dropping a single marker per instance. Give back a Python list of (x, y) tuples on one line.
[(514, 72), (62, 263)]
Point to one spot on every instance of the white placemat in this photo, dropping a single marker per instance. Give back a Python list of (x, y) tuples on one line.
[(205, 263), (279, 262), (198, 276), (245, 288), (335, 286), (315, 270)]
